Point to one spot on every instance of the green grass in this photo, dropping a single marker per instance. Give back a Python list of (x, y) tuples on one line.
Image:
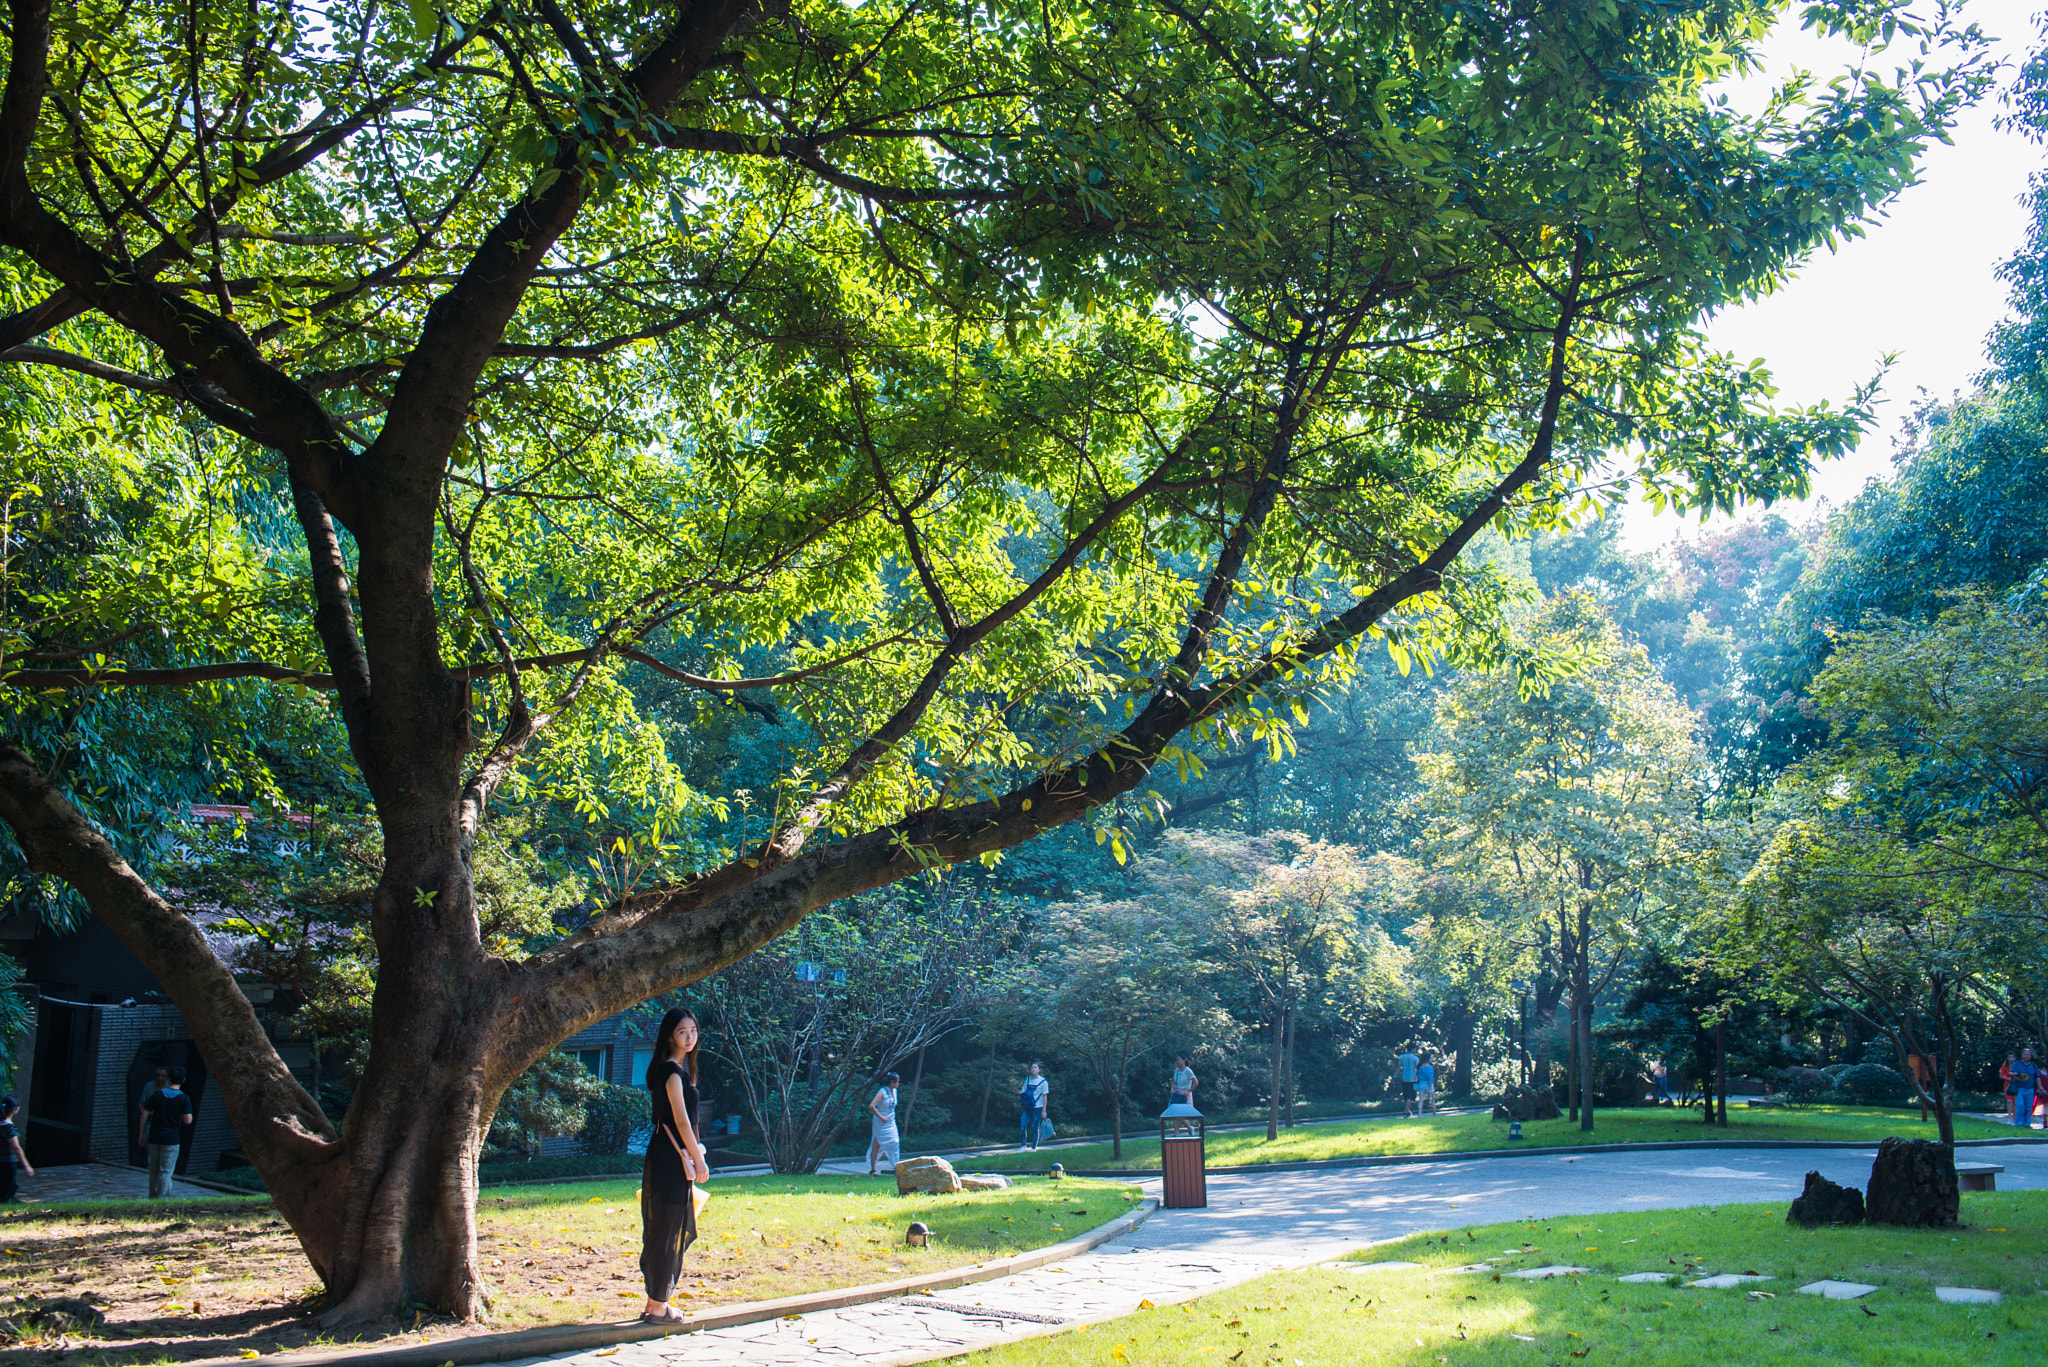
[(208, 1278), (1424, 1318), (1455, 1133)]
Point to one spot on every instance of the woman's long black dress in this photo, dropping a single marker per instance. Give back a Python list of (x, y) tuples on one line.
[(668, 1215)]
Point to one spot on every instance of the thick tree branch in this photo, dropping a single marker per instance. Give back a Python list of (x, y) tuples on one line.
[(276, 1121)]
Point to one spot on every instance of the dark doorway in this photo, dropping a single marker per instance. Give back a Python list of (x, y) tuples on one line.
[(150, 1056), (61, 1089)]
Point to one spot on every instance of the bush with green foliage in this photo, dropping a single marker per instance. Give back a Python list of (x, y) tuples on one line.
[(547, 1101), (610, 1117), (1873, 1084), (1801, 1086)]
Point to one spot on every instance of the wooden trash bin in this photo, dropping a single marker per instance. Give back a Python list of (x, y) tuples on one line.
[(1182, 1158)]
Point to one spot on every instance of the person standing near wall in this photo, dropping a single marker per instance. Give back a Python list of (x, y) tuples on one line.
[(150, 1089), (1410, 1062), (164, 1118), (885, 1142), (1034, 1100), (10, 1152), (668, 1202)]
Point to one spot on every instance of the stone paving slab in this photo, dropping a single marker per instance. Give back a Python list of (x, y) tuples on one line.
[(105, 1182), (1836, 1291), (1645, 1278), (1728, 1281), (1369, 1267), (1967, 1295), (1539, 1274)]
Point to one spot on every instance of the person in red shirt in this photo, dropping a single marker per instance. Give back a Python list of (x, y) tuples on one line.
[(2005, 1081)]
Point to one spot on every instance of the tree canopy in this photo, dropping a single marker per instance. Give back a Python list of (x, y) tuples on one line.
[(1013, 394)]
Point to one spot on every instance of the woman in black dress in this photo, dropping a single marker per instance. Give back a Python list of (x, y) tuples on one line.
[(668, 1210)]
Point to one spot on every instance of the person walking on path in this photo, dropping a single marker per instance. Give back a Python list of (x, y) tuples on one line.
[(883, 1140), (164, 1118), (1660, 1078), (1410, 1062), (1425, 1088), (2005, 1081), (1034, 1100), (668, 1202), (1180, 1090), (2025, 1079), (10, 1152)]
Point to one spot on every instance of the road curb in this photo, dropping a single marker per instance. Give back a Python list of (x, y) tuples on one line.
[(571, 1338), (1389, 1160)]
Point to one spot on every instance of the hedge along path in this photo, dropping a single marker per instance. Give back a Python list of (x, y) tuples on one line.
[(202, 1280)]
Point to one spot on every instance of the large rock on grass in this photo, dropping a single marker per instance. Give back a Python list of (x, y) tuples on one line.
[(1826, 1203), (984, 1181), (1913, 1182), (926, 1176), (1526, 1104)]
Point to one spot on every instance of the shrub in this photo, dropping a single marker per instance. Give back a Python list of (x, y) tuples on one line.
[(1801, 1086), (1874, 1084), (544, 1102), (610, 1118)]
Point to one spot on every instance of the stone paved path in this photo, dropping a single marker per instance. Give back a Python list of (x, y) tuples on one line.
[(1256, 1224), (99, 1182)]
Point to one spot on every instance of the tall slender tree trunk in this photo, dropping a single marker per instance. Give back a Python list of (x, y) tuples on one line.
[(916, 1078), (1273, 1092), (1464, 1027), (988, 1091), (1589, 1079), (1571, 1071), (1291, 1014), (1116, 1114), (1721, 1072)]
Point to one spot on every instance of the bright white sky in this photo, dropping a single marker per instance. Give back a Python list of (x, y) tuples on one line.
[(1920, 283)]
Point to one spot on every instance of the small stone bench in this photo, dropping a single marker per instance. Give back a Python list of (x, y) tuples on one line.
[(1978, 1176)]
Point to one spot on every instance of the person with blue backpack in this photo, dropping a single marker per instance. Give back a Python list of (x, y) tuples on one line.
[(1033, 1101)]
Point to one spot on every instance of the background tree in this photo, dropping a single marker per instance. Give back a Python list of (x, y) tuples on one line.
[(513, 358), (1282, 914), (1578, 796), (806, 1024), (1124, 982)]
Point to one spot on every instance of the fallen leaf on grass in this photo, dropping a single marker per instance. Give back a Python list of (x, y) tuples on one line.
[(1868, 1311), (1146, 1305)]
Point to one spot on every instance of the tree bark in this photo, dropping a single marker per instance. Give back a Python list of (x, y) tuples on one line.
[(1273, 1092), (916, 1078), (1589, 1085), (1116, 1115), (1571, 1067), (988, 1091), (1291, 1014), (1465, 1024), (1721, 1072)]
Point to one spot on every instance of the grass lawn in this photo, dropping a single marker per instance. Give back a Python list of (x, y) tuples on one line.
[(1429, 1317), (1452, 1133), (211, 1278)]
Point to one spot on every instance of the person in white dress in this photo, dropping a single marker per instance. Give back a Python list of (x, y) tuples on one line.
[(884, 1143)]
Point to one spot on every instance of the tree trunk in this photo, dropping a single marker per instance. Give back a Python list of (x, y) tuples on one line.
[(988, 1091), (1589, 1083), (1548, 994), (1571, 1069), (1273, 1091), (1116, 1116), (1291, 1014), (916, 1077), (1465, 1024), (1721, 1072)]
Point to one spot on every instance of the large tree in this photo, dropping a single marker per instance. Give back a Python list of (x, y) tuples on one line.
[(1028, 386)]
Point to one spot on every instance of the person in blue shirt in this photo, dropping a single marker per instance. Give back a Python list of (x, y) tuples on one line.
[(1410, 1062), (2026, 1079), (1425, 1088), (1035, 1104), (166, 1118)]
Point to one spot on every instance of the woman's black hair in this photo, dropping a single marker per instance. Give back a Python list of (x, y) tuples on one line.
[(891, 1079), (8, 1106), (664, 1042)]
